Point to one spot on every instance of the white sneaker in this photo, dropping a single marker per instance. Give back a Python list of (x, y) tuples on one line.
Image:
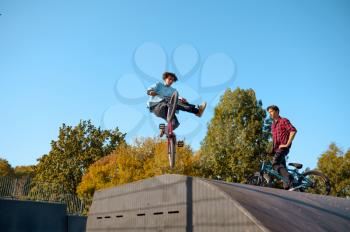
[(201, 109)]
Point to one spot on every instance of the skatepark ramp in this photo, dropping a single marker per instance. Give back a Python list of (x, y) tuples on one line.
[(182, 203)]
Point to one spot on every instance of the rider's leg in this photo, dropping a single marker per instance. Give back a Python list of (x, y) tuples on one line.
[(278, 163), (197, 110), (161, 110), (187, 107)]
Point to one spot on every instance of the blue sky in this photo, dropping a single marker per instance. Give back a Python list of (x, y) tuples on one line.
[(62, 61)]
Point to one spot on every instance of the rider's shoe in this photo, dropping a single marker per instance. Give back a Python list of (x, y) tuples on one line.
[(201, 109), (295, 189), (294, 185)]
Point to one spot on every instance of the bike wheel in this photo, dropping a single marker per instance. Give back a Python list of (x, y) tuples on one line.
[(258, 180), (315, 182), (172, 106), (172, 151)]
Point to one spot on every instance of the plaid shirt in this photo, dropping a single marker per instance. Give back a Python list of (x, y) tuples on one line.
[(281, 129)]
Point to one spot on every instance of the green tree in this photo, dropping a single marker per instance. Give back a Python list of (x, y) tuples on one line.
[(236, 135), (75, 150), (5, 168), (335, 164)]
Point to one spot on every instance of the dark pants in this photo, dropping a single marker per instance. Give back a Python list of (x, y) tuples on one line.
[(161, 110), (279, 164)]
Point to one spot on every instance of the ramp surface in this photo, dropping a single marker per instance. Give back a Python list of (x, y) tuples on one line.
[(182, 203)]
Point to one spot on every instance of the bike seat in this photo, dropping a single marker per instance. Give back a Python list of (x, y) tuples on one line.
[(296, 165)]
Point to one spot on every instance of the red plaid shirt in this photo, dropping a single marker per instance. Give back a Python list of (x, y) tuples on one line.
[(281, 129)]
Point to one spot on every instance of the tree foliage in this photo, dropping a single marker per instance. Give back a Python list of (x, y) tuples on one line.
[(24, 171), (5, 168), (73, 152), (236, 135), (335, 164), (146, 158)]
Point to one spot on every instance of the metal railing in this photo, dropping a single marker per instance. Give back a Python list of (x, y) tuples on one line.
[(26, 189)]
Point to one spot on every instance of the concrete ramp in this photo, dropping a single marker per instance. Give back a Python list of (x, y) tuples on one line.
[(182, 203)]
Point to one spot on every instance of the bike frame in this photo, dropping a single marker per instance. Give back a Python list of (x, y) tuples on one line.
[(266, 167)]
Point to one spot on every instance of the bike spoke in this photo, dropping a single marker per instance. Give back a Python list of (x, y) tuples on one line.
[(316, 183)]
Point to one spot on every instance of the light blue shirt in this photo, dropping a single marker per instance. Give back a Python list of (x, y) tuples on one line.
[(162, 90)]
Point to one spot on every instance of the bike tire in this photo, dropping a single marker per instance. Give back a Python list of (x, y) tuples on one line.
[(321, 183), (172, 152), (172, 106), (258, 180)]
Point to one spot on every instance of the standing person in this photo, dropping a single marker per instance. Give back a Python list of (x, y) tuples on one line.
[(283, 133), (159, 96)]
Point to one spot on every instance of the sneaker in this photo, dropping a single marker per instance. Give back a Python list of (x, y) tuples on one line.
[(290, 185), (297, 189), (201, 109)]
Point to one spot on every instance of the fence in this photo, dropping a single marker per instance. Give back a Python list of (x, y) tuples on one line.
[(25, 189)]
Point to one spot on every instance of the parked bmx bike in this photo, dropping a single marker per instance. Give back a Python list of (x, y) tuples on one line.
[(311, 181)]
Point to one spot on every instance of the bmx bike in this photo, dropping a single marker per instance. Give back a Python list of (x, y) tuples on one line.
[(311, 181)]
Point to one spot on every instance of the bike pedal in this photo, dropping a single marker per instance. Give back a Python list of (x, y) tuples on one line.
[(162, 126), (180, 143)]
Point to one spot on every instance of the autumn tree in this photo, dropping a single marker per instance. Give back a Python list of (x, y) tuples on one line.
[(335, 164), (236, 135), (24, 171), (5, 168), (72, 153), (145, 158)]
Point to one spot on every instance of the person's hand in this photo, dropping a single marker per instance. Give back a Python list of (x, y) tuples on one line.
[(283, 146), (152, 93)]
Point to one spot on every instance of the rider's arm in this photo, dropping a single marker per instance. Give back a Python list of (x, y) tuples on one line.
[(291, 137), (152, 90), (292, 131)]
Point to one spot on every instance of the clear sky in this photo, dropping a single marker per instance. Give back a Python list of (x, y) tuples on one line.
[(63, 61)]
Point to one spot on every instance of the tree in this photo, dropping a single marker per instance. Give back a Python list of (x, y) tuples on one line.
[(146, 158), (5, 168), (335, 164), (236, 135), (24, 171), (75, 150)]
